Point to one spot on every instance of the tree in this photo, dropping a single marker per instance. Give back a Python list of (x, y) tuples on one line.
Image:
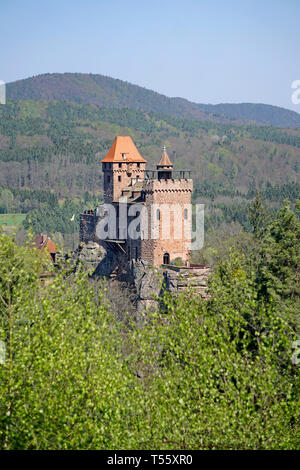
[(209, 387), (211, 374), (258, 216), (6, 200), (279, 265), (63, 385)]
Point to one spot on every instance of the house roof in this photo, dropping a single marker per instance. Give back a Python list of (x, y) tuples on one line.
[(165, 160), (42, 241), (123, 145)]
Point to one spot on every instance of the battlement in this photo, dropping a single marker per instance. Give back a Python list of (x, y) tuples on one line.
[(171, 184)]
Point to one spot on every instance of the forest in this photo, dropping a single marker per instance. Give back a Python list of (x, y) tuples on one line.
[(78, 368), (78, 372), (165, 322), (50, 153)]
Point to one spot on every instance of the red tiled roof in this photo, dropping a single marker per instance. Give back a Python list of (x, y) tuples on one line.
[(123, 145), (42, 241)]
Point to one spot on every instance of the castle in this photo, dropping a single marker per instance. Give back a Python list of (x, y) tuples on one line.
[(150, 215)]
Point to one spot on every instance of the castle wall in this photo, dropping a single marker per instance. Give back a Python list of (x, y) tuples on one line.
[(172, 231), (87, 229)]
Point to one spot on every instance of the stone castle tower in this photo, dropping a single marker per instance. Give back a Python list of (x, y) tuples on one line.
[(159, 200), (122, 166)]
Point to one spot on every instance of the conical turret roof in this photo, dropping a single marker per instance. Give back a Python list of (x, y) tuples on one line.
[(165, 160)]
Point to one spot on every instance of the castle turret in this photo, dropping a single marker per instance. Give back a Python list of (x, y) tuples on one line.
[(165, 166), (168, 202), (122, 166)]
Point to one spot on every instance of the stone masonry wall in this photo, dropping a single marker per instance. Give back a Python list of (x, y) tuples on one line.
[(173, 237), (87, 229), (120, 178)]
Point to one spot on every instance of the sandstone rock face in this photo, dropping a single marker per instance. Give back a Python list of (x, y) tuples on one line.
[(107, 265), (101, 261), (90, 254), (188, 279), (147, 282), (151, 282)]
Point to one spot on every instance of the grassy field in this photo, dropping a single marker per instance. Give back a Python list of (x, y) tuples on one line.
[(11, 220)]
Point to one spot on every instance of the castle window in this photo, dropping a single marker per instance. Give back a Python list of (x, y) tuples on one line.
[(166, 259), (119, 178), (120, 165), (124, 156), (185, 214), (138, 165), (158, 214)]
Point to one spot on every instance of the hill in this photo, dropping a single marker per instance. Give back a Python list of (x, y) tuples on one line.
[(257, 112), (113, 93), (50, 152)]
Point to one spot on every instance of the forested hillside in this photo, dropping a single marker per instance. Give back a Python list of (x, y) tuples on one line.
[(50, 151), (113, 93), (256, 112)]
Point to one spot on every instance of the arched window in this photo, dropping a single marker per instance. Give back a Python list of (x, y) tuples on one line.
[(166, 258), (158, 214)]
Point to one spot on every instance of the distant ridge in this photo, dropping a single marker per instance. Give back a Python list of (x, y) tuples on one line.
[(114, 93), (261, 113)]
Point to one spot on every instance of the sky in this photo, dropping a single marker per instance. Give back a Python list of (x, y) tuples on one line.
[(207, 51)]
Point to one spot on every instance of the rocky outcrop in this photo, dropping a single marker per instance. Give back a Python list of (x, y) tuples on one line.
[(89, 254), (150, 282), (183, 279), (147, 281), (108, 266)]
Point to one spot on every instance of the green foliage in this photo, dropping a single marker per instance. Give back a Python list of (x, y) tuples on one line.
[(278, 264), (11, 219), (51, 149), (219, 242), (213, 374), (63, 385), (219, 372), (6, 201), (57, 217), (258, 216)]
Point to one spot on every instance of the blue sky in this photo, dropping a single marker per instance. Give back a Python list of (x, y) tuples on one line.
[(206, 51)]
